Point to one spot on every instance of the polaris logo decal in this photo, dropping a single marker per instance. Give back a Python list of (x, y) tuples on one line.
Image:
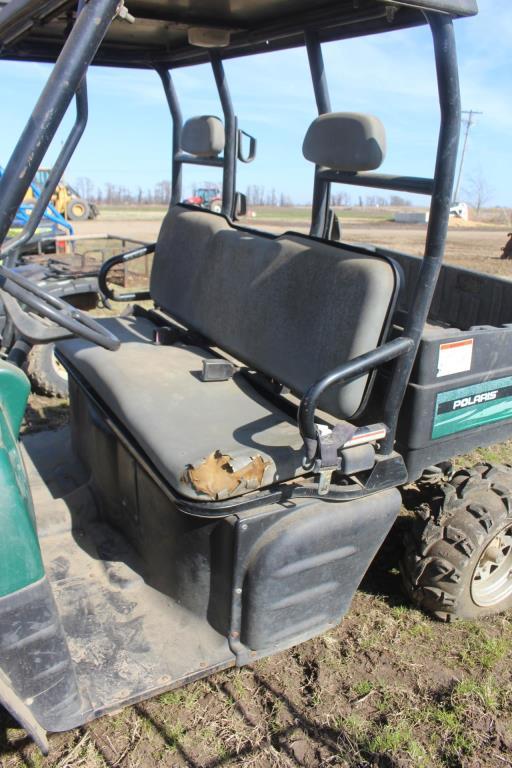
[(470, 407), (483, 398)]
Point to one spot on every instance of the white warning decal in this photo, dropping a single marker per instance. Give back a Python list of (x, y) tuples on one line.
[(455, 357)]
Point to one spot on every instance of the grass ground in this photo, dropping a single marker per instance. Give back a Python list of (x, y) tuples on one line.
[(388, 688), (488, 217)]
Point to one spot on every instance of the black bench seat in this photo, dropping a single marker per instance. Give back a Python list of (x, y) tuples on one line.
[(179, 420), (290, 307)]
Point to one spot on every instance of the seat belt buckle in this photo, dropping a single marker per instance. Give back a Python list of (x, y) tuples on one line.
[(217, 369), (166, 336)]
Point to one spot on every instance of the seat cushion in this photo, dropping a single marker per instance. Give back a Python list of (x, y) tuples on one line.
[(208, 440), (292, 307)]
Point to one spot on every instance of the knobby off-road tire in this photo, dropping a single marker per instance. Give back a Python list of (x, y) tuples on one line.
[(457, 560), (46, 374)]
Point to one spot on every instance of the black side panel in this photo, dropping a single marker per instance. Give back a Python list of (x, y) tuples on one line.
[(35, 657), (302, 571), (448, 414), (462, 298), (188, 559), (22, 714)]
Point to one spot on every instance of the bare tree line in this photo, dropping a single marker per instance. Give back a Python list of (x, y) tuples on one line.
[(114, 194), (257, 195)]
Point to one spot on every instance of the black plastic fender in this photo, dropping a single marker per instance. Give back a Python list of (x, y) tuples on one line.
[(22, 714)]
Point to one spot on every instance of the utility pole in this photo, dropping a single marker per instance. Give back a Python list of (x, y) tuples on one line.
[(468, 122)]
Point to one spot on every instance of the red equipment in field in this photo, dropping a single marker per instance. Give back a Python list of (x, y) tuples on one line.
[(207, 197)]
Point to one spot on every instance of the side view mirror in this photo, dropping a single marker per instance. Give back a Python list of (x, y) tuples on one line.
[(248, 156), (240, 205)]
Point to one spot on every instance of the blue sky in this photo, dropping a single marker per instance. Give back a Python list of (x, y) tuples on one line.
[(128, 139)]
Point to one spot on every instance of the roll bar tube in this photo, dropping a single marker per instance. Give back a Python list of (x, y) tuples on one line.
[(345, 373), (13, 19), (77, 53), (233, 149), (177, 125), (439, 188), (317, 68), (10, 251), (413, 184), (445, 52), (231, 131), (321, 187)]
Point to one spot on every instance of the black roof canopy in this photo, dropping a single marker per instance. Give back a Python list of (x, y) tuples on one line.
[(35, 30)]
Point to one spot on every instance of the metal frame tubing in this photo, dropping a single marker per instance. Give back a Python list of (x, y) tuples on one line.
[(414, 184), (349, 371), (449, 101), (11, 249), (321, 189), (71, 66), (230, 128), (177, 125), (317, 69), (228, 160), (214, 162), (123, 258), (15, 14)]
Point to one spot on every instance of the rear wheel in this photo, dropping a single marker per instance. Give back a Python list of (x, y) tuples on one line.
[(216, 207), (78, 210), (47, 375), (458, 557)]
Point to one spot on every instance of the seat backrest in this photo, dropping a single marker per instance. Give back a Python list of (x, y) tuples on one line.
[(291, 307), (203, 136), (345, 141)]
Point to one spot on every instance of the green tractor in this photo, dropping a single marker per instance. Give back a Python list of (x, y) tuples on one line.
[(238, 442)]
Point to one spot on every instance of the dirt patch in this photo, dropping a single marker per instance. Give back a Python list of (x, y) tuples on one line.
[(45, 413)]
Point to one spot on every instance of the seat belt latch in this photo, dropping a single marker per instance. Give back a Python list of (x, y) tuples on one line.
[(217, 369), (166, 335)]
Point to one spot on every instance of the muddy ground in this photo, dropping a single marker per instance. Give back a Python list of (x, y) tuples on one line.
[(389, 688)]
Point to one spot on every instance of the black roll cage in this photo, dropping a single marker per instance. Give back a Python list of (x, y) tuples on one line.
[(67, 80)]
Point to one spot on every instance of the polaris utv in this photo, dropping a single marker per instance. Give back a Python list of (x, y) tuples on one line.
[(238, 445)]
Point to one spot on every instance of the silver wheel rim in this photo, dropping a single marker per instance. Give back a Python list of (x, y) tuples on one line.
[(78, 209), (492, 578)]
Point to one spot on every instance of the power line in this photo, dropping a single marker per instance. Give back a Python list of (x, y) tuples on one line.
[(468, 122)]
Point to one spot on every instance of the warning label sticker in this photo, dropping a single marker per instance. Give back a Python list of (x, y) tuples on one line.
[(455, 357)]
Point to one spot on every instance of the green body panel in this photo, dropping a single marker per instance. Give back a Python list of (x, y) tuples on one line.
[(20, 556)]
